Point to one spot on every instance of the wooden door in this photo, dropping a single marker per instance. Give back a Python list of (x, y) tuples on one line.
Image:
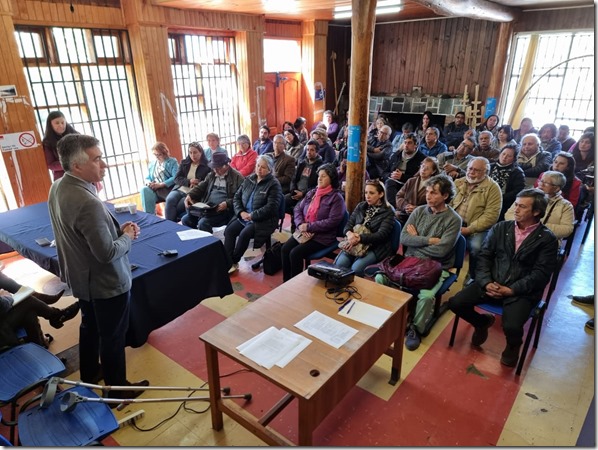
[(283, 98)]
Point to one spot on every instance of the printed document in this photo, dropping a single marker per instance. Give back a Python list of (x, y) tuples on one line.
[(329, 330)]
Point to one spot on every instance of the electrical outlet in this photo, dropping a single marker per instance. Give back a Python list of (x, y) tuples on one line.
[(131, 418)]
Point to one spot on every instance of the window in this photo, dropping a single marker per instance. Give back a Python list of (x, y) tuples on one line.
[(282, 55), (562, 80), (205, 88), (88, 75)]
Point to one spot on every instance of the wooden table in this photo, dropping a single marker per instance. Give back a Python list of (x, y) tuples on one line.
[(321, 375)]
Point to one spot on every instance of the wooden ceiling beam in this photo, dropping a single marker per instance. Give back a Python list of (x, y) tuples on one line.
[(473, 9)]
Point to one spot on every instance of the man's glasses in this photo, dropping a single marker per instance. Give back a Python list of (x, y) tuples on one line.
[(547, 183)]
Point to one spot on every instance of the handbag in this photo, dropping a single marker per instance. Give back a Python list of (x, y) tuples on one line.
[(359, 250), (273, 259), (301, 237), (410, 272)]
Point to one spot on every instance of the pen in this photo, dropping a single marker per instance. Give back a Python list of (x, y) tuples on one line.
[(343, 305), (350, 308)]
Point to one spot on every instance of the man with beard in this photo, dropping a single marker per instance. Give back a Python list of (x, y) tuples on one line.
[(478, 202), (264, 143), (454, 131), (532, 159), (402, 166), (515, 265)]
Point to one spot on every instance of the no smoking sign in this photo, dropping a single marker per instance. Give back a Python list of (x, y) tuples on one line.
[(17, 141)]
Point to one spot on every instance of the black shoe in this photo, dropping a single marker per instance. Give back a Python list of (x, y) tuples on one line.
[(96, 378), (510, 355), (481, 333), (590, 324), (67, 313), (127, 394), (413, 339), (47, 298), (583, 300)]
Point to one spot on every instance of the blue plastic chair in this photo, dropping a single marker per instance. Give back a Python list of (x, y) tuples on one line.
[(88, 423), (395, 239), (22, 369), (3, 441), (329, 252)]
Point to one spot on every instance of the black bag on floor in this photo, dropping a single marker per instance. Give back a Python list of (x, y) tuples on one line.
[(273, 259)]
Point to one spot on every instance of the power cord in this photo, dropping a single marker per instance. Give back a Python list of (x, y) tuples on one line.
[(342, 294)]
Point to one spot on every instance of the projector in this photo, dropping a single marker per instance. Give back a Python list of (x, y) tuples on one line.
[(330, 273)]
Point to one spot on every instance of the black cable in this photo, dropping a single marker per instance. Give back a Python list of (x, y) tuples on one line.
[(342, 294)]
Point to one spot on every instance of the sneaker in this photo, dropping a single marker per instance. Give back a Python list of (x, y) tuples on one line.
[(510, 355), (481, 333), (583, 300), (67, 313), (413, 339), (380, 278), (233, 268), (590, 324)]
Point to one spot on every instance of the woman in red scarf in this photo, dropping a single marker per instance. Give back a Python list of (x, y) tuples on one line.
[(317, 217)]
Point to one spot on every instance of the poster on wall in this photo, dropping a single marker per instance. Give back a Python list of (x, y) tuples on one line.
[(17, 141)]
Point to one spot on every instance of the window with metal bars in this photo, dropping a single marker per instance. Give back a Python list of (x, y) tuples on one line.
[(562, 86), (88, 75), (205, 88)]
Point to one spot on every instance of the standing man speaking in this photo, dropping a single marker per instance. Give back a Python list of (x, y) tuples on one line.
[(92, 254)]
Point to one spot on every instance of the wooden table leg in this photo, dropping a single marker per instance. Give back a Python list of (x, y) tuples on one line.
[(306, 423), (214, 383), (397, 357)]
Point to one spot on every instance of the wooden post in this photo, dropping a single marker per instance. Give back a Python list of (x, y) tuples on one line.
[(505, 31), (362, 38)]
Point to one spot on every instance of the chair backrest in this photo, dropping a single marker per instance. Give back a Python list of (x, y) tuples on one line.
[(460, 248), (395, 239), (341, 226), (281, 211)]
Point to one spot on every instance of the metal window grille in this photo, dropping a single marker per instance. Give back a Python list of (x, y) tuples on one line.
[(88, 75), (564, 72), (205, 88)]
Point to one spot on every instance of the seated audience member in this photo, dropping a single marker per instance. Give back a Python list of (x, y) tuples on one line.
[(454, 163), (565, 163), (263, 145), (431, 145), (525, 127), (559, 215), (431, 232), (218, 188), (244, 160), (341, 146), (532, 159), (548, 137), (514, 267), (332, 127), (25, 314), (284, 165), (426, 122), (478, 201), (376, 214), (160, 178), (413, 192), (491, 124), (402, 166), (508, 175), (305, 179), (583, 153), (378, 154), (453, 132), (325, 150), (301, 130), (56, 128), (293, 146), (213, 146), (256, 211), (317, 217), (485, 148), (192, 170), (397, 142), (565, 138), (375, 127), (504, 137), (342, 175), (286, 125)]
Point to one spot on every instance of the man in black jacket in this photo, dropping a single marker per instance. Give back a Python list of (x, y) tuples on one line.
[(402, 166), (514, 266)]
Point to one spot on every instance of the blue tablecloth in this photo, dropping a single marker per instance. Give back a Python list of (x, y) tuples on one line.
[(163, 287)]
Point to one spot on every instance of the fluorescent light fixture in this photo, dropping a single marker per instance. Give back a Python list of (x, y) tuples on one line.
[(383, 7), (288, 6)]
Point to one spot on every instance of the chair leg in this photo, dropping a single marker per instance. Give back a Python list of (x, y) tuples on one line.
[(454, 331), (589, 217), (539, 328), (528, 339)]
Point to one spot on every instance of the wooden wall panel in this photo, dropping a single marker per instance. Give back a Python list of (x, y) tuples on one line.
[(39, 12), (314, 62), (556, 20), (283, 28), (441, 56), (250, 65)]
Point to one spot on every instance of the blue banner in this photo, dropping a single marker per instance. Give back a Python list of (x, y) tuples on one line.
[(490, 107), (353, 153)]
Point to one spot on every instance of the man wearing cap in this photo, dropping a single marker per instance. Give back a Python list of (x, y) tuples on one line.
[(218, 188), (244, 160)]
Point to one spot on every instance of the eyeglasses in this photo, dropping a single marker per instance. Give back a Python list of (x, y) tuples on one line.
[(547, 183)]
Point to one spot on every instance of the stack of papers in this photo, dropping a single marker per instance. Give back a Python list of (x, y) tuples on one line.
[(189, 234), (274, 347), (330, 331)]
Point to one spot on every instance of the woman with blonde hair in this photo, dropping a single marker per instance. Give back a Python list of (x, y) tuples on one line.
[(160, 179)]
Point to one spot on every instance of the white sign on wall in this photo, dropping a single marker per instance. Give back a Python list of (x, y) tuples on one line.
[(17, 141)]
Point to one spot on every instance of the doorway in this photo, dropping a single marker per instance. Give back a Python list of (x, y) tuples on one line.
[(283, 98)]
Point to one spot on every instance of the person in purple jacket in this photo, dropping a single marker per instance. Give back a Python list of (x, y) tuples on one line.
[(317, 217)]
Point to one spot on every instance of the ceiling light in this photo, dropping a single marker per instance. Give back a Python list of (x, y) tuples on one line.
[(383, 7)]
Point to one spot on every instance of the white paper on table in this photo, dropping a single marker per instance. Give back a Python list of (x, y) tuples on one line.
[(191, 233), (303, 342), (329, 330), (22, 294), (268, 347), (365, 313)]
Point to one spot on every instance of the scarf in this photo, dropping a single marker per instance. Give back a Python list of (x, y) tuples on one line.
[(501, 175), (312, 210)]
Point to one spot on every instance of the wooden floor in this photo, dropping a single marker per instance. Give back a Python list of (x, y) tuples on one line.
[(457, 396)]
